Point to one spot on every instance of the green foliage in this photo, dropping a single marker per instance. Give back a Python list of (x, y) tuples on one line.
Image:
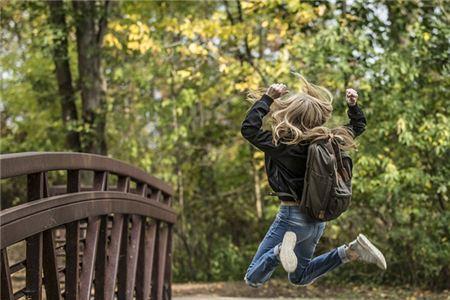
[(177, 74)]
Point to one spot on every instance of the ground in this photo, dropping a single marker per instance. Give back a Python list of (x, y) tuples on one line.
[(277, 289)]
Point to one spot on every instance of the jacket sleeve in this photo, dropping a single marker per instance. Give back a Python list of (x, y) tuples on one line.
[(251, 126), (357, 120)]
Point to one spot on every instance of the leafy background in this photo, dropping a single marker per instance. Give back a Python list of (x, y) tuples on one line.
[(177, 74)]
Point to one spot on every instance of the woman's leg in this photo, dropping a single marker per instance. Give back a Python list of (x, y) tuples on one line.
[(308, 268), (266, 259)]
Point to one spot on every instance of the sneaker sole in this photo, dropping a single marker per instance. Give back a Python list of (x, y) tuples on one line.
[(287, 255), (364, 242)]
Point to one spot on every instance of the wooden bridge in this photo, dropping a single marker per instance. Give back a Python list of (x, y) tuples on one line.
[(108, 239)]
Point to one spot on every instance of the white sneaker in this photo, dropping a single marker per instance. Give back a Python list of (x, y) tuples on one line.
[(362, 249), (287, 254)]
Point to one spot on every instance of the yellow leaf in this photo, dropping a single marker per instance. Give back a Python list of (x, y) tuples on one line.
[(271, 37), (134, 29), (111, 41), (133, 45), (183, 74), (197, 49), (223, 68), (401, 125), (321, 10)]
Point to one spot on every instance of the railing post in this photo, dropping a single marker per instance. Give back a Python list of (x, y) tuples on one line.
[(6, 286), (100, 184), (113, 257), (89, 253), (51, 275), (132, 255), (168, 267), (72, 243), (33, 288), (50, 267), (146, 258)]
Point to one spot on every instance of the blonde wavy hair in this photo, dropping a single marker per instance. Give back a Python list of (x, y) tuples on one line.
[(299, 116)]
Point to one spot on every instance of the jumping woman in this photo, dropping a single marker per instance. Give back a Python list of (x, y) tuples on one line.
[(296, 120)]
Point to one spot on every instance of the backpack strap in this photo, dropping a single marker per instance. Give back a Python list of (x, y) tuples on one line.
[(338, 154)]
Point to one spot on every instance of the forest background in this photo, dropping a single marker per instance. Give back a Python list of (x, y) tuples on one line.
[(162, 85)]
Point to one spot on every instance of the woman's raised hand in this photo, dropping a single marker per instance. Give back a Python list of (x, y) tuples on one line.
[(276, 90), (351, 96)]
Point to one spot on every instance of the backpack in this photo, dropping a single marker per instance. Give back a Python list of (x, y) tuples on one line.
[(327, 188)]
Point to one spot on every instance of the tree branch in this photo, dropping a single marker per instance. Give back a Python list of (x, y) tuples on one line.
[(103, 22), (247, 56), (227, 9)]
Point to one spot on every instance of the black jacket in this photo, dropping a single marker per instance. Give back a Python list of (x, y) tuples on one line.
[(286, 162)]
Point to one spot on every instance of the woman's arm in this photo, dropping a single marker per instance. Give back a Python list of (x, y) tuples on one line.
[(251, 126), (356, 115)]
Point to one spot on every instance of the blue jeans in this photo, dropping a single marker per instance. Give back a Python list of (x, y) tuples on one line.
[(308, 231)]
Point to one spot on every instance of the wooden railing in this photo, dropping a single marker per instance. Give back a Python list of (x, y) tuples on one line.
[(99, 241)]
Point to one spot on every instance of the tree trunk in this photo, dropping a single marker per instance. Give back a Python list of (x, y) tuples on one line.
[(258, 199), (63, 74), (257, 185), (90, 27)]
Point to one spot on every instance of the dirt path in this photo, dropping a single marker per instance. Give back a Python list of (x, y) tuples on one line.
[(200, 297), (277, 289)]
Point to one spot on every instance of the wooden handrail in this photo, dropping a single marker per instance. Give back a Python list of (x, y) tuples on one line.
[(18, 164)]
